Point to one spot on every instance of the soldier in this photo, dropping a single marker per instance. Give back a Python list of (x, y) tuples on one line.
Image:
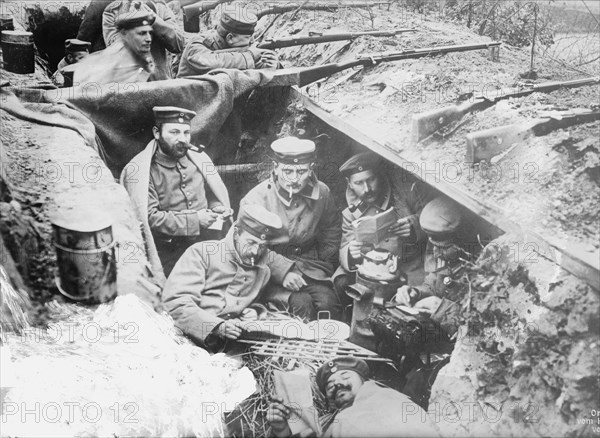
[(441, 220), (215, 283), (307, 255), (227, 46), (75, 51), (362, 407), (166, 36), (126, 60), (177, 192), (369, 192)]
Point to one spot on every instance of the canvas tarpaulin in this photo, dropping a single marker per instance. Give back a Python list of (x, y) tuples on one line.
[(122, 113)]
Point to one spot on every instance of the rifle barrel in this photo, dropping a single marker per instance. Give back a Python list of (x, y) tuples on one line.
[(325, 38), (311, 74), (281, 9)]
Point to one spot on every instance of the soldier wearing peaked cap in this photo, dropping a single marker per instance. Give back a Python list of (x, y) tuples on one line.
[(441, 219), (214, 285), (363, 407), (306, 255), (177, 192), (227, 46), (370, 191), (75, 51), (167, 38), (124, 61)]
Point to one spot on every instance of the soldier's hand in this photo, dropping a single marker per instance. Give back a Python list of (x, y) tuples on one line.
[(354, 249), (221, 209), (429, 304), (256, 53), (277, 416), (401, 228), (293, 281), (229, 329), (207, 218), (406, 296), (268, 59), (249, 314)]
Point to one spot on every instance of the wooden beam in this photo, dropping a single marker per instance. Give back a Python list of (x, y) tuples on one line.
[(579, 262)]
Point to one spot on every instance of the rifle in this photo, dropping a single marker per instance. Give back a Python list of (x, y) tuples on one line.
[(427, 123), (302, 76), (488, 143), (281, 9), (191, 12), (316, 38)]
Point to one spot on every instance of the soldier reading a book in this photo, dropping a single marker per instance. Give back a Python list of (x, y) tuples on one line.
[(383, 213)]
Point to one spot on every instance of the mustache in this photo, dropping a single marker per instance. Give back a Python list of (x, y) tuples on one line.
[(339, 388)]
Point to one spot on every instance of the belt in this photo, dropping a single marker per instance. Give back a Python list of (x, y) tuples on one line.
[(164, 239), (289, 249)]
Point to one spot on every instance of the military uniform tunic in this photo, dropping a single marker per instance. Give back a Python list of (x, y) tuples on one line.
[(176, 192), (209, 282), (312, 229), (209, 51), (309, 244)]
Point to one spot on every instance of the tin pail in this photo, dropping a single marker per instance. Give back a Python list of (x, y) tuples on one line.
[(86, 263), (17, 51), (6, 22)]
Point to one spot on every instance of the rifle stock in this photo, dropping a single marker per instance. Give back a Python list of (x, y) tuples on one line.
[(488, 143), (427, 123), (272, 44)]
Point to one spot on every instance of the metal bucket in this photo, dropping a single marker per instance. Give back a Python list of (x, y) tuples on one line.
[(191, 18), (86, 263), (6, 22), (17, 51)]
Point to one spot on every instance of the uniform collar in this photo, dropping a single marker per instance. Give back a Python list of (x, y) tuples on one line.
[(169, 162), (311, 191), (363, 207)]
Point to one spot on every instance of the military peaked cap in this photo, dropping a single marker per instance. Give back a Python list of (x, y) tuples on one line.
[(338, 364), (359, 163), (440, 218), (135, 19), (259, 221), (292, 150), (75, 45), (172, 114), (239, 21)]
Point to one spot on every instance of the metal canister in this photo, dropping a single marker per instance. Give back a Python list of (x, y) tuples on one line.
[(191, 18), (6, 22), (86, 260), (17, 51), (364, 292)]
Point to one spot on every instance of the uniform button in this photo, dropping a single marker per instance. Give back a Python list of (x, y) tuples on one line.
[(187, 193), (183, 185), (183, 176), (189, 204)]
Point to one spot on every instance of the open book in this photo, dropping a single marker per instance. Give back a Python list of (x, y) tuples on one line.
[(373, 229)]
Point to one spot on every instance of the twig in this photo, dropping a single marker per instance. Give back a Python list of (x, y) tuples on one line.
[(298, 9)]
